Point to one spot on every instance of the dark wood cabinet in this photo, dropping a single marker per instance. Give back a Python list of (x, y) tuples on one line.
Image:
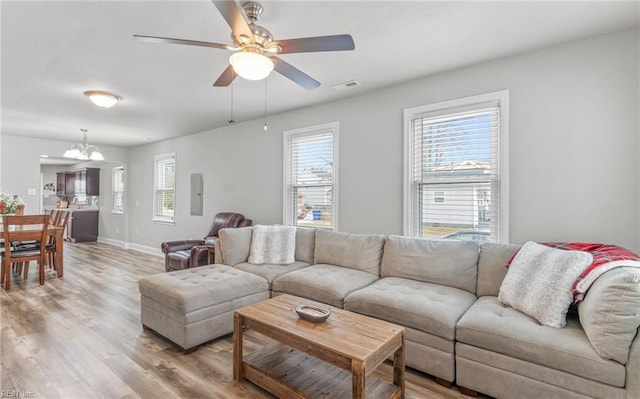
[(83, 226), (81, 181), (92, 180), (69, 191), (61, 184)]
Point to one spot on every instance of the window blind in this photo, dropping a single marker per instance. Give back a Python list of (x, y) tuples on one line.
[(117, 180), (456, 172), (165, 178), (310, 178)]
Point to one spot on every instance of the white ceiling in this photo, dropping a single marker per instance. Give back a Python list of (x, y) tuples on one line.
[(51, 52)]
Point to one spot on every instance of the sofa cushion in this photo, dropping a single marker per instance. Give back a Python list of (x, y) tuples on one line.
[(200, 287), (490, 325), (492, 266), (610, 312), (355, 251), (305, 244), (270, 271), (504, 376), (235, 245), (324, 283), (539, 282), (427, 307), (273, 244), (447, 262)]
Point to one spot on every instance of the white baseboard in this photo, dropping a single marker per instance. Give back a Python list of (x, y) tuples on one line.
[(146, 249), (129, 245), (110, 241)]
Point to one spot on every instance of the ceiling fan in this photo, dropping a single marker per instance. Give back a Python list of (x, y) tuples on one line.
[(254, 46)]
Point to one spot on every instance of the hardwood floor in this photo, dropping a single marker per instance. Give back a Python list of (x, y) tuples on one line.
[(80, 336)]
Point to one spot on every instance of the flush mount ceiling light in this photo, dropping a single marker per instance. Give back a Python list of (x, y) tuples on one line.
[(102, 98), (250, 65), (84, 151)]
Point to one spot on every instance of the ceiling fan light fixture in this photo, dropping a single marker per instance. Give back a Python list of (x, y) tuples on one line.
[(251, 66), (102, 98)]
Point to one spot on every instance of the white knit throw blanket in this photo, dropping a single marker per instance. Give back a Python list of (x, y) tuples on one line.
[(273, 244)]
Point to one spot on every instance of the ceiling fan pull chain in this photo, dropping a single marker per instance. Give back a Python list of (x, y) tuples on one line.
[(265, 105), (231, 121)]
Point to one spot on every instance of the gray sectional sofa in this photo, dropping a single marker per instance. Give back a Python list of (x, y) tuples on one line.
[(445, 293)]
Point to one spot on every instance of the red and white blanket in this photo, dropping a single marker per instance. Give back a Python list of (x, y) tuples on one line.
[(605, 258)]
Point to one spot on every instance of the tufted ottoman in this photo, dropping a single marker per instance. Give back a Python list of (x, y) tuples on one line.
[(196, 305)]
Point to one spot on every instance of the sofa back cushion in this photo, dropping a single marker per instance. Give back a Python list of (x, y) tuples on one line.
[(305, 244), (356, 251), (235, 245), (492, 266), (446, 262), (610, 312)]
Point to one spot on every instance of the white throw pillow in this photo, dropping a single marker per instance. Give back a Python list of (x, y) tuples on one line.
[(539, 282), (273, 244)]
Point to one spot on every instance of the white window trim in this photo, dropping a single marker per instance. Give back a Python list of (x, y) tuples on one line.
[(113, 172), (443, 107), (156, 218), (334, 127)]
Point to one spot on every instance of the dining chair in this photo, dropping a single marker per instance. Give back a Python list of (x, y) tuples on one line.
[(21, 229), (61, 221), (54, 217)]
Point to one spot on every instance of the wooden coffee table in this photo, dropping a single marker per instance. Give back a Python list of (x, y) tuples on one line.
[(312, 360)]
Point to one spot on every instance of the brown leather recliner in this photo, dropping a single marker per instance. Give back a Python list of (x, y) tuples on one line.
[(192, 253)]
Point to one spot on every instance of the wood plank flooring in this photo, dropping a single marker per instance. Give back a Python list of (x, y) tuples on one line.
[(80, 336)]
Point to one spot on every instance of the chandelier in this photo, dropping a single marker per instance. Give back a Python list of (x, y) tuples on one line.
[(84, 151)]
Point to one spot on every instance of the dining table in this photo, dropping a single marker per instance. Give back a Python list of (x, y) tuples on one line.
[(52, 231)]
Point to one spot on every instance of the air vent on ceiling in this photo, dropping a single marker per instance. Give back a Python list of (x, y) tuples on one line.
[(346, 85)]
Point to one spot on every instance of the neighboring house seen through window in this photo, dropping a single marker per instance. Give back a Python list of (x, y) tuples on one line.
[(455, 169), (117, 189), (165, 188), (310, 187)]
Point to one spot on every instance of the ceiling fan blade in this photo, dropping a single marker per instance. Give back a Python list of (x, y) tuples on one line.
[(319, 43), (226, 78), (154, 39), (235, 18), (294, 74)]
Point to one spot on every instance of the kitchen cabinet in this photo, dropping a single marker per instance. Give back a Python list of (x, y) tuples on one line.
[(65, 184), (69, 191), (61, 184), (87, 181), (91, 177), (80, 181), (83, 225)]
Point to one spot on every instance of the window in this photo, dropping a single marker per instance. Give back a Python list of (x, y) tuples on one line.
[(456, 169), (165, 187), (310, 186), (117, 189)]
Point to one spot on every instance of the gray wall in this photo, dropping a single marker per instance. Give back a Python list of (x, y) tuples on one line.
[(20, 170), (574, 164), (20, 164)]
